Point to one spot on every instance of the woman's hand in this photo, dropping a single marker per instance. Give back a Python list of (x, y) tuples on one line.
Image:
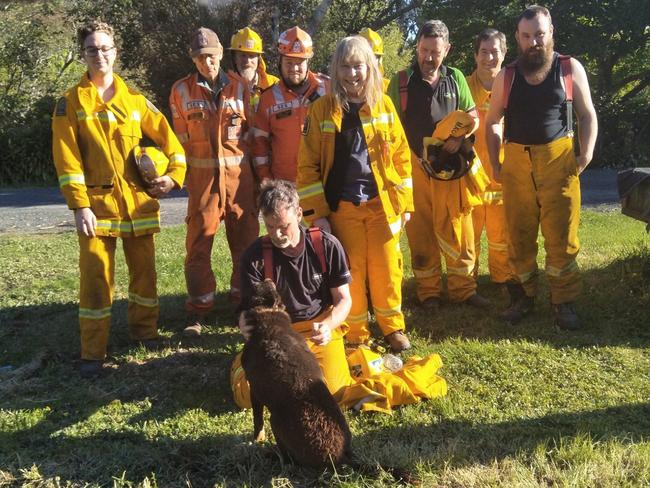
[(161, 186), (85, 221)]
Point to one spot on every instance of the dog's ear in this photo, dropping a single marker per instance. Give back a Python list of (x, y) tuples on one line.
[(267, 296)]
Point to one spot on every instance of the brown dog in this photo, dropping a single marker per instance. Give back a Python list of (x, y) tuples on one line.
[(284, 377)]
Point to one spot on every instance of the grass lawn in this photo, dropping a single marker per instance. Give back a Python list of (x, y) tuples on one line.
[(527, 406)]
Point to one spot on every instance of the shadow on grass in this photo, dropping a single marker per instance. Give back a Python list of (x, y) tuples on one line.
[(451, 443), (614, 308)]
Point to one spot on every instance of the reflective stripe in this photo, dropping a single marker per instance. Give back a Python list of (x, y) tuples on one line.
[(184, 137), (94, 314), (557, 272), (144, 224), (361, 318), (524, 277), (233, 160), (260, 160), (497, 246), (178, 158), (310, 190), (460, 271), (395, 226), (114, 225), (383, 118), (105, 116), (426, 272), (203, 162), (492, 196), (277, 94), (388, 312), (447, 248), (407, 182), (72, 178), (260, 133), (135, 115), (327, 126), (145, 302)]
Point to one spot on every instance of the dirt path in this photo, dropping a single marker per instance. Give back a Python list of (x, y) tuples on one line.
[(40, 210)]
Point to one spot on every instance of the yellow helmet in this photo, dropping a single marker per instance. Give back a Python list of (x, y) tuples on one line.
[(375, 41), (151, 163), (246, 40)]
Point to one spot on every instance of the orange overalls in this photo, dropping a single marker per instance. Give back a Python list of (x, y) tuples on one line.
[(279, 121), (212, 126)]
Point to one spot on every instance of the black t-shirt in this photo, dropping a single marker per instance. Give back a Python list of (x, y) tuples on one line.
[(298, 278)]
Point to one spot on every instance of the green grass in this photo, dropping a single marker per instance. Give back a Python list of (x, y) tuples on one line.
[(527, 406)]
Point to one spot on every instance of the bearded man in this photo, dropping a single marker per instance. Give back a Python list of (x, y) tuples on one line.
[(540, 170)]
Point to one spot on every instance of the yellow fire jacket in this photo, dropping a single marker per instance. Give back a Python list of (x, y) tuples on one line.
[(388, 151), (92, 142)]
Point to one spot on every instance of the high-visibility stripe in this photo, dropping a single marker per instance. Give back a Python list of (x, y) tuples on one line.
[(382, 118), (388, 312), (145, 302), (114, 225), (426, 272), (177, 158), (492, 196), (524, 277), (203, 162), (94, 314), (233, 160), (310, 190), (260, 160), (395, 226), (557, 272), (183, 137), (497, 246), (104, 116), (407, 182), (72, 178), (447, 248), (460, 271), (327, 126), (361, 318), (260, 133), (277, 94), (143, 224), (135, 115)]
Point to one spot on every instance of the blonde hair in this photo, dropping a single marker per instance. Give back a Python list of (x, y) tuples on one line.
[(356, 46)]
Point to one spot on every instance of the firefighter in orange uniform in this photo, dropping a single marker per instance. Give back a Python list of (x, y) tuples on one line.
[(246, 50), (210, 111), (96, 126), (489, 51), (282, 111)]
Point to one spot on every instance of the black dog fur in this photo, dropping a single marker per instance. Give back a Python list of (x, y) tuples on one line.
[(284, 377)]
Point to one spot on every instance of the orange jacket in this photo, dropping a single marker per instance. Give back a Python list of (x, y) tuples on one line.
[(213, 132), (92, 142), (279, 121)]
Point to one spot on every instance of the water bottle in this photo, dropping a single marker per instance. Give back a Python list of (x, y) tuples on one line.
[(392, 363)]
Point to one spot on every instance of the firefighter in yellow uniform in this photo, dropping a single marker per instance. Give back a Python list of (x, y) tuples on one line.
[(540, 171), (489, 51), (95, 128), (246, 50), (377, 44), (354, 177)]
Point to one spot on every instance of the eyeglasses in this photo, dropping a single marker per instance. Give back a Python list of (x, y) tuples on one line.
[(93, 51)]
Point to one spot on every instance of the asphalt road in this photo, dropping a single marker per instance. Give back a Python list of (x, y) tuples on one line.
[(41, 210)]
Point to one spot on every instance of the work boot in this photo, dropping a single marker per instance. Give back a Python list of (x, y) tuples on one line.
[(90, 368), (478, 301), (398, 341), (520, 304), (432, 304), (566, 317), (193, 325)]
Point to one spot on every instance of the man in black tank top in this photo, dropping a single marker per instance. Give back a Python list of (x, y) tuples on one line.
[(540, 170)]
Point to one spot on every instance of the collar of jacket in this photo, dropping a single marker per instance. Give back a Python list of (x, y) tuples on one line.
[(91, 102), (365, 111), (222, 82), (312, 80)]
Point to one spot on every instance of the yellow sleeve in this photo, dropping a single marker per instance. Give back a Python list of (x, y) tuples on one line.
[(67, 155), (401, 154), (309, 181), (155, 126)]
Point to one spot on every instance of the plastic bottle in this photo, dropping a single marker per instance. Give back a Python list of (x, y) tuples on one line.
[(392, 363)]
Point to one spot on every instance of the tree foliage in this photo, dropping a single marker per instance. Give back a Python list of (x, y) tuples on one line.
[(38, 55)]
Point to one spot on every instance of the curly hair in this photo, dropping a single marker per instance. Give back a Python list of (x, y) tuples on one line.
[(90, 28)]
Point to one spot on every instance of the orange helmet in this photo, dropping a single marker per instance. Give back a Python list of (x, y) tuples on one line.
[(295, 43)]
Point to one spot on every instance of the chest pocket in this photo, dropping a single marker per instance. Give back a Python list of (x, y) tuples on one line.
[(198, 125), (128, 136)]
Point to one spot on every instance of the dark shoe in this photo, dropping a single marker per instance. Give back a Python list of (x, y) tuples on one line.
[(90, 368), (478, 301), (398, 341), (566, 317), (193, 325), (520, 304), (432, 304)]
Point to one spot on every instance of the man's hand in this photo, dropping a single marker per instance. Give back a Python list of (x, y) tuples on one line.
[(582, 162), (406, 216), (322, 334), (85, 221), (452, 144), (161, 186), (323, 224), (245, 329)]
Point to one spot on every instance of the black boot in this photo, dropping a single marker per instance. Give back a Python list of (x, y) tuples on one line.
[(520, 304), (565, 316)]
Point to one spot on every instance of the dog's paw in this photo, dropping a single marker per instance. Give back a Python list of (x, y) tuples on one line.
[(261, 436)]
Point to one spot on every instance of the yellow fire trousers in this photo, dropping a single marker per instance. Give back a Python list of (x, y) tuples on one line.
[(372, 245), (433, 229), (97, 278), (492, 218), (541, 188), (418, 378)]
